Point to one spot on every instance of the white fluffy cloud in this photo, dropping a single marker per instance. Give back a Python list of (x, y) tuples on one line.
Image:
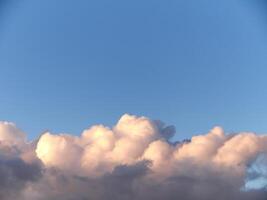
[(135, 160), (9, 133)]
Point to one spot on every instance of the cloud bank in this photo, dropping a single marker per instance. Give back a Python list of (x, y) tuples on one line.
[(134, 160)]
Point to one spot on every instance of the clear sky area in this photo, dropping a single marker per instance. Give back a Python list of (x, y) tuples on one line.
[(66, 65)]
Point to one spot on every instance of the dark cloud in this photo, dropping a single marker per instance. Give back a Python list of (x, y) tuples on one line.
[(129, 183), (119, 184), (191, 188), (15, 174)]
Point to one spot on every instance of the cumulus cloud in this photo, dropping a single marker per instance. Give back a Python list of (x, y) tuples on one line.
[(134, 160)]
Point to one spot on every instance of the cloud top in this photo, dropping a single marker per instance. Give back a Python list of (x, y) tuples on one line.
[(133, 160)]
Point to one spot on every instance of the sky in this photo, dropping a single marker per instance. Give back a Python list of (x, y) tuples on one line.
[(86, 87), (66, 65)]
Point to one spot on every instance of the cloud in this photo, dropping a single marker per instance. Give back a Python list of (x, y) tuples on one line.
[(134, 160)]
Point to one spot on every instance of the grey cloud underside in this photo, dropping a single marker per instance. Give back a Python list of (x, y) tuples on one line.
[(128, 183), (132, 161), (15, 174)]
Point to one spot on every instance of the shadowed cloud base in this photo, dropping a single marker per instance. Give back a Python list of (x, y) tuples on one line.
[(134, 160)]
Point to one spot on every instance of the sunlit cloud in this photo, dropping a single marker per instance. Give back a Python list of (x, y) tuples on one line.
[(132, 160)]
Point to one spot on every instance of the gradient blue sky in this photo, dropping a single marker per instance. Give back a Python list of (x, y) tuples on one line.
[(66, 65)]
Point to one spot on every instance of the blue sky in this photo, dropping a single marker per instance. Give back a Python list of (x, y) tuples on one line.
[(66, 65)]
